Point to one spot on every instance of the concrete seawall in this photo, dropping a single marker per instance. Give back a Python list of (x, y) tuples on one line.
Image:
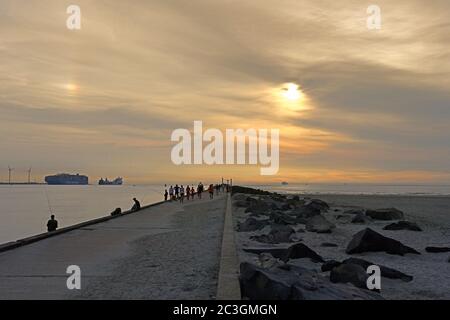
[(22, 242), (228, 287)]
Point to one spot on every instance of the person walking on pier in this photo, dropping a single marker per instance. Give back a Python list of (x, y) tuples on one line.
[(177, 191), (52, 224), (171, 193), (192, 192), (199, 190), (188, 192), (181, 194), (211, 191), (166, 195)]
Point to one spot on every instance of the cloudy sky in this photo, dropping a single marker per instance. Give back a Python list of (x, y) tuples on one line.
[(104, 100)]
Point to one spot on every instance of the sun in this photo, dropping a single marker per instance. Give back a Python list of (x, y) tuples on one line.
[(71, 87), (292, 92)]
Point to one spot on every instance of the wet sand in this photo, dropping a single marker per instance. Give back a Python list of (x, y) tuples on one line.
[(430, 270)]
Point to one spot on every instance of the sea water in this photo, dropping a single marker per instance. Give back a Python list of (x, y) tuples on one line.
[(25, 209)]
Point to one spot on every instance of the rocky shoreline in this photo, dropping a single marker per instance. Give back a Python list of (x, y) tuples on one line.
[(293, 247)]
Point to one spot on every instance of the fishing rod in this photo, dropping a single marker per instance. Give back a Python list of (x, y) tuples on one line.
[(48, 201)]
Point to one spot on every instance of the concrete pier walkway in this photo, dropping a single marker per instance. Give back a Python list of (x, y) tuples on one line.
[(169, 251)]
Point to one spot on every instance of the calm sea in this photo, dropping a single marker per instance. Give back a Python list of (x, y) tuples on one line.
[(359, 189), (24, 210)]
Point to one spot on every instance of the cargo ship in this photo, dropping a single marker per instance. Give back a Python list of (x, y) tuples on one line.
[(116, 182), (67, 179)]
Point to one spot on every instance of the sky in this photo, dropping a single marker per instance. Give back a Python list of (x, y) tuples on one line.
[(104, 100)]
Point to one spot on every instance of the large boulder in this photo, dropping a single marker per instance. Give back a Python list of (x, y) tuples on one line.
[(318, 204), (437, 249), (295, 283), (252, 224), (296, 251), (304, 212), (319, 224), (403, 225), (385, 271), (239, 197), (277, 234), (355, 211), (279, 217), (350, 273), (260, 207), (329, 265), (368, 240), (267, 261), (385, 214), (361, 218)]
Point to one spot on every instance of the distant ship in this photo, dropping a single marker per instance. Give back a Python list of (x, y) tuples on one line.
[(67, 179), (284, 183), (116, 182)]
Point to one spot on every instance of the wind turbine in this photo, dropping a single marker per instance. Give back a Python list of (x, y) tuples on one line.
[(9, 174), (29, 175)]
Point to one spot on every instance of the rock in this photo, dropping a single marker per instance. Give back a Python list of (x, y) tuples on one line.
[(277, 234), (329, 265), (259, 207), (329, 245), (361, 218), (267, 261), (355, 211), (437, 249), (319, 204), (301, 250), (304, 212), (241, 204), (251, 200), (296, 251), (368, 240), (279, 217), (239, 197), (385, 214), (350, 273), (252, 224), (295, 283), (385, 271), (319, 224), (403, 225)]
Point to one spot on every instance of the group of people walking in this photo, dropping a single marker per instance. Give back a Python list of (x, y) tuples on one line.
[(177, 193), (180, 192)]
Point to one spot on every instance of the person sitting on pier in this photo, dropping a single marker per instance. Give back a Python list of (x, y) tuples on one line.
[(136, 206), (52, 224), (116, 212)]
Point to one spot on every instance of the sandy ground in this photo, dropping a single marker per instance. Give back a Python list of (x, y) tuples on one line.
[(430, 270), (169, 251)]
